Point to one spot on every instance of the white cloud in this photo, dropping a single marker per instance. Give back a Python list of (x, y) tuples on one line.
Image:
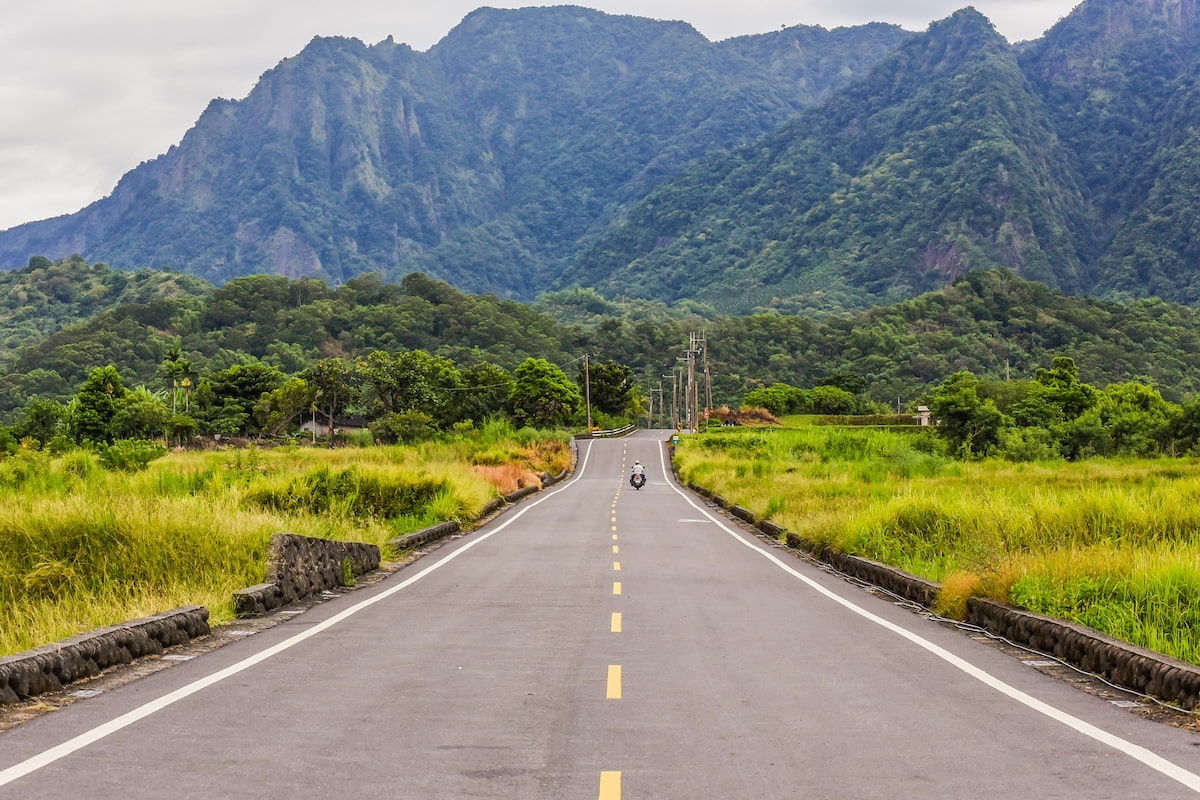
[(90, 90)]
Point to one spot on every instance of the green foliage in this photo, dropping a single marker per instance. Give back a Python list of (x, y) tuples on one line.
[(611, 386), (41, 420), (94, 412), (129, 455), (971, 423), (351, 492), (542, 395), (405, 427)]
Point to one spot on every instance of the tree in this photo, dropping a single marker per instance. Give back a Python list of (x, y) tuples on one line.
[(780, 399), (484, 393), (611, 386), (409, 381), (278, 409), (849, 381), (142, 415), (94, 411), (41, 420), (829, 399), (1137, 418), (332, 383), (543, 395), (1063, 388), (971, 424), (237, 390)]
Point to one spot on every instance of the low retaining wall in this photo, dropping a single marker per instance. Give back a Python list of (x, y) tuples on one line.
[(49, 668), (301, 566), (411, 541), (1123, 664)]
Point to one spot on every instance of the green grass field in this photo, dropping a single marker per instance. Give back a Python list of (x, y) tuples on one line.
[(1114, 545), (82, 547)]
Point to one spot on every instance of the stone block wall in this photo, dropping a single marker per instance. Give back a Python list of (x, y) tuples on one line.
[(301, 566), (49, 668)]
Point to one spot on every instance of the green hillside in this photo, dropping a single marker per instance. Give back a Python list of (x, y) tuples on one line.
[(990, 322)]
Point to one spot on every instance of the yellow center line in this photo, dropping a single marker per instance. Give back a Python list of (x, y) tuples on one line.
[(614, 681), (616, 587), (616, 622), (616, 549), (614, 527), (616, 566), (614, 537), (610, 786)]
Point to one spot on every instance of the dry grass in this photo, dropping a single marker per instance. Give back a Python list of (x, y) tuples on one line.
[(507, 478)]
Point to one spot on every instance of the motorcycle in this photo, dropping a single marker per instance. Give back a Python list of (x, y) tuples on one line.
[(637, 480)]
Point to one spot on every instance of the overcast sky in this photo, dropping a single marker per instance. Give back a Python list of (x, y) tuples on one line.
[(89, 89)]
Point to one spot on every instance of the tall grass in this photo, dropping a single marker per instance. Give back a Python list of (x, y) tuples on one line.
[(1110, 544), (83, 547)]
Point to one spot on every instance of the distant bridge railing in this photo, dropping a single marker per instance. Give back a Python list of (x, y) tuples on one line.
[(608, 434)]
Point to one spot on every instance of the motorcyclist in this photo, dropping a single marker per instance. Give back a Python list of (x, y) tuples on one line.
[(638, 469), (638, 474)]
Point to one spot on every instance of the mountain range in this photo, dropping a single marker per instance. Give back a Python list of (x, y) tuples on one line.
[(803, 170)]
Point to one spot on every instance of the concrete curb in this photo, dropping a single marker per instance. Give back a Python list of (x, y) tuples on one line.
[(1124, 664), (53, 666)]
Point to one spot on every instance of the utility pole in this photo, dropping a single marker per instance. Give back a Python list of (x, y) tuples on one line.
[(674, 376), (587, 392), (697, 346), (707, 385)]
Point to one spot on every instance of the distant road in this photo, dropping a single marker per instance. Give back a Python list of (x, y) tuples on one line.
[(597, 642)]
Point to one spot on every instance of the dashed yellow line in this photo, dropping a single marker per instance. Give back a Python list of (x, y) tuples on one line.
[(616, 549), (616, 622), (610, 786), (616, 566), (616, 587), (614, 682)]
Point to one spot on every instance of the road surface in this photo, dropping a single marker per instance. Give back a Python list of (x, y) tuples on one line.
[(597, 642)]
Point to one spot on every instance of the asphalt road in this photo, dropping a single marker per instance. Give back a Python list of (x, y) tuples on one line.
[(597, 642)]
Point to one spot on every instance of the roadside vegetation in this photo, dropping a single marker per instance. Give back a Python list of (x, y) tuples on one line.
[(84, 544), (1110, 543)]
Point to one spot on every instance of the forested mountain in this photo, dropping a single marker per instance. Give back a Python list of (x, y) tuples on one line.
[(803, 170), (1068, 160), (940, 161), (990, 322), (483, 161), (44, 297)]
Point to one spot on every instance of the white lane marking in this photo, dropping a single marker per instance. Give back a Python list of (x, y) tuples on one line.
[(47, 757), (1148, 757)]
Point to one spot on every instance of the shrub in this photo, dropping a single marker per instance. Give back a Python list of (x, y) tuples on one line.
[(352, 492), (407, 427), (129, 455)]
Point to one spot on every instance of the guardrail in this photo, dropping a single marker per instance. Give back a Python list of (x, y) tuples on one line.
[(609, 434)]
